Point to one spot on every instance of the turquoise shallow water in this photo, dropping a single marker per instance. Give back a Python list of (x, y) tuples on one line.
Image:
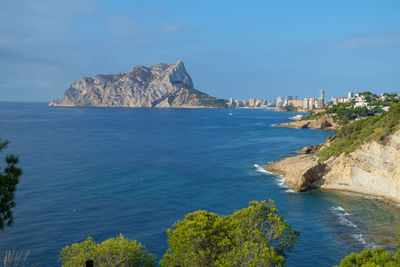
[(136, 171)]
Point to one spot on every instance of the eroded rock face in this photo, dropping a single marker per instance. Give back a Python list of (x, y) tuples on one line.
[(372, 169), (161, 85), (300, 172), (310, 149)]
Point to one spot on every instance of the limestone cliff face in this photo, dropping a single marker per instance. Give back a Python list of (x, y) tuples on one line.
[(372, 169), (300, 172), (161, 85)]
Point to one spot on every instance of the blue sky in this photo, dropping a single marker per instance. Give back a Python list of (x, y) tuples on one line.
[(237, 49)]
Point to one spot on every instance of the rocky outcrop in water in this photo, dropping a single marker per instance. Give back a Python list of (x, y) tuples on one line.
[(326, 123), (373, 169), (161, 85), (300, 172)]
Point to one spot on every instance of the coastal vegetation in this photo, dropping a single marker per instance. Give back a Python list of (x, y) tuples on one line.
[(289, 108), (345, 113), (383, 101), (372, 258), (15, 258), (9, 178), (203, 99), (353, 135), (253, 236), (118, 251)]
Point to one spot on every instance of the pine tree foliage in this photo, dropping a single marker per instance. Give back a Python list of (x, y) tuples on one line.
[(254, 236), (9, 178)]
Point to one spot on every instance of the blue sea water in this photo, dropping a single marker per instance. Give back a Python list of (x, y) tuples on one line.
[(101, 172)]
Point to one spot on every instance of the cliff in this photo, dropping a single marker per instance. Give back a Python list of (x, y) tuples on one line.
[(372, 167), (325, 122), (161, 85), (363, 157)]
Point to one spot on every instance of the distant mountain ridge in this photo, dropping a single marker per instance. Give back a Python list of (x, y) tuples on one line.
[(160, 86)]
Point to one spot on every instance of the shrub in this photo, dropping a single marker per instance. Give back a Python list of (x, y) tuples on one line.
[(254, 236), (118, 251)]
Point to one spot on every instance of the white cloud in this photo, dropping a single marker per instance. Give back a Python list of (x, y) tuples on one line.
[(51, 7), (124, 25), (366, 42), (175, 27)]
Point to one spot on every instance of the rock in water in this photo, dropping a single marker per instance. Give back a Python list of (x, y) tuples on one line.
[(161, 85), (326, 122)]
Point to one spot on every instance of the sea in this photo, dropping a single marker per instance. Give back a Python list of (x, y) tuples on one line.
[(100, 172)]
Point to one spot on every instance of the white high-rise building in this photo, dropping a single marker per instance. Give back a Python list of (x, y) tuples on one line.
[(279, 101), (306, 103), (321, 98), (349, 95)]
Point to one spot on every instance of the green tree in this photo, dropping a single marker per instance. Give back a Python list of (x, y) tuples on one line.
[(9, 178), (254, 236), (377, 257), (118, 251), (371, 258), (289, 108)]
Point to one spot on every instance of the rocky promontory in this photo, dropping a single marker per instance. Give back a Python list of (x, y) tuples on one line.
[(325, 122), (159, 86), (372, 169)]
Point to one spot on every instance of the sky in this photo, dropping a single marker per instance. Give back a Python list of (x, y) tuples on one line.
[(238, 49)]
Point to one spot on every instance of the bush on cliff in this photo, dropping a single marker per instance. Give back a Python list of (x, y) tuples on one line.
[(254, 236), (118, 251)]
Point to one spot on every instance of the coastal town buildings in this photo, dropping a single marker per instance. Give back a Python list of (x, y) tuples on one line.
[(303, 104), (312, 103), (252, 102), (321, 99), (306, 103), (349, 95), (296, 103), (279, 101)]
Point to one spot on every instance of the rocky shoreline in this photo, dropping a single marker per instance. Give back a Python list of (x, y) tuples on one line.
[(326, 123), (372, 169)]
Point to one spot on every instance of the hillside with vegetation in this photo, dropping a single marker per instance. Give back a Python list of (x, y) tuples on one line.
[(344, 113), (352, 135), (361, 157)]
